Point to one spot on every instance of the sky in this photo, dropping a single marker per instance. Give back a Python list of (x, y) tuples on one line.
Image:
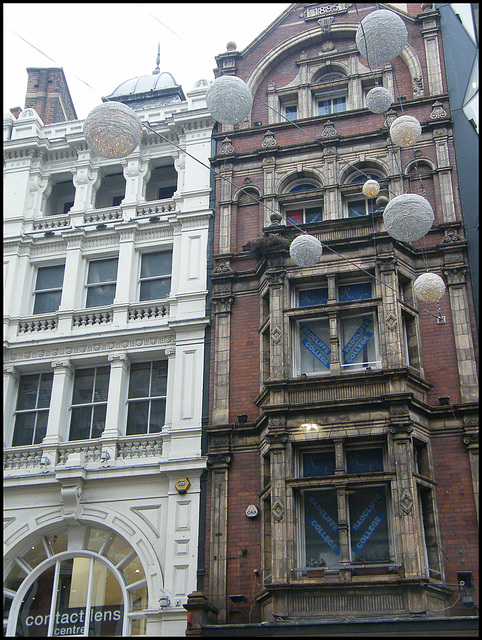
[(100, 45)]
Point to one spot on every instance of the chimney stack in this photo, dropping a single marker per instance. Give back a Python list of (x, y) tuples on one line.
[(48, 93)]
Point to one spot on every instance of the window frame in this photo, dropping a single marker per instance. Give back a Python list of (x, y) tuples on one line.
[(37, 291), (370, 205), (330, 96), (35, 409), (149, 398), (92, 404), (162, 277), (92, 285), (290, 105)]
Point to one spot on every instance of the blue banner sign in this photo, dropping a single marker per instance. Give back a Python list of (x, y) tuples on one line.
[(312, 349), (323, 534), (369, 532), (367, 511), (358, 348), (320, 351), (324, 514), (357, 335)]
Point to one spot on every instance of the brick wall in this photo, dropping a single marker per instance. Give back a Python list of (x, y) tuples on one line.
[(49, 95)]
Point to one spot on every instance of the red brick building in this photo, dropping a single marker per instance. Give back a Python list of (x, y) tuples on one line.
[(342, 429)]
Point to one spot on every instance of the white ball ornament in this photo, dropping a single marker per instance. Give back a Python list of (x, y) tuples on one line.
[(408, 217), (429, 287), (229, 100), (371, 188), (378, 99), (112, 130), (381, 37), (405, 131), (305, 250)]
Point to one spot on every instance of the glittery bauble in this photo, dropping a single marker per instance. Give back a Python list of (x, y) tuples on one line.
[(378, 99), (408, 217), (405, 131), (385, 34), (371, 188), (429, 287), (112, 130), (229, 99), (305, 250)]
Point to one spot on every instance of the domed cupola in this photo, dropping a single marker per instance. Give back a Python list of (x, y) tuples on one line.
[(158, 88)]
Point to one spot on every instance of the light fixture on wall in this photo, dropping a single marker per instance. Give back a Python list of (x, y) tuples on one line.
[(405, 131), (242, 418), (229, 99), (112, 130), (408, 217), (378, 99), (164, 601), (381, 36), (305, 250), (429, 287)]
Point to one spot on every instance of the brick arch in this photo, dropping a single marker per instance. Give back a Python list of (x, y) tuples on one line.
[(365, 166), (292, 176)]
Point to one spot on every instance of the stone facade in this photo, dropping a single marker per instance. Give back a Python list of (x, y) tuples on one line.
[(286, 427)]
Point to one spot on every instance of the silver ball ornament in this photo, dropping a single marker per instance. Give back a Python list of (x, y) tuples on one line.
[(229, 100), (112, 130), (429, 287), (371, 188), (405, 131), (408, 217), (386, 37), (378, 99), (305, 250)]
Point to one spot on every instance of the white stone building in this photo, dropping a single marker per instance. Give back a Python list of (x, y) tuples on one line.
[(105, 285)]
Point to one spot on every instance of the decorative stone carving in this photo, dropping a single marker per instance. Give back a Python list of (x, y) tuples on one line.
[(329, 130), (226, 146), (276, 335), (325, 24), (406, 501), (222, 268), (417, 87), (219, 459), (391, 322), (222, 304), (437, 111), (327, 47), (451, 236), (278, 511), (455, 275), (269, 140), (391, 116)]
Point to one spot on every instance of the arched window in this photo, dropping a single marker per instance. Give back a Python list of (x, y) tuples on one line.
[(302, 203), (355, 203), (330, 93), (81, 581)]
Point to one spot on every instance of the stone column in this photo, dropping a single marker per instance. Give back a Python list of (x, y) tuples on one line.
[(10, 379), (276, 306), (86, 179), (127, 271), (269, 178), (57, 425), (116, 414), (170, 393), (406, 510), (218, 543), (471, 441), (134, 170), (222, 339), (444, 173), (464, 347), (430, 31), (390, 321), (225, 203), (73, 289)]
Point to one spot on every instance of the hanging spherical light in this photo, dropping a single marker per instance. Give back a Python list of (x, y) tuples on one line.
[(305, 250), (371, 188), (378, 99), (408, 217), (112, 130), (429, 287), (405, 131), (381, 37), (229, 99)]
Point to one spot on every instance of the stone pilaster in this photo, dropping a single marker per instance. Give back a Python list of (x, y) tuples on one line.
[(222, 335), (57, 425), (430, 30), (116, 407), (10, 380)]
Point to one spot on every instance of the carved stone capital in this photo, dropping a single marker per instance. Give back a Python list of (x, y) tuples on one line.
[(222, 304), (118, 359), (219, 460), (276, 278), (455, 275), (222, 268)]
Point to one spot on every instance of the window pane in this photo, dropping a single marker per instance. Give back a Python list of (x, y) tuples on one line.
[(324, 107), (27, 392), (102, 270), (41, 427), (368, 525), (291, 112), (357, 208), (308, 297), (107, 603), (98, 424), (321, 529), (155, 289), (137, 417), (159, 379), (339, 104), (158, 410), (357, 341), (305, 186), (100, 296), (24, 429), (313, 214), (294, 217), (364, 460), (156, 264), (80, 423), (139, 380), (319, 463), (36, 605), (45, 390), (101, 384), (134, 571), (83, 386), (50, 277), (315, 348), (359, 291), (47, 302)]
